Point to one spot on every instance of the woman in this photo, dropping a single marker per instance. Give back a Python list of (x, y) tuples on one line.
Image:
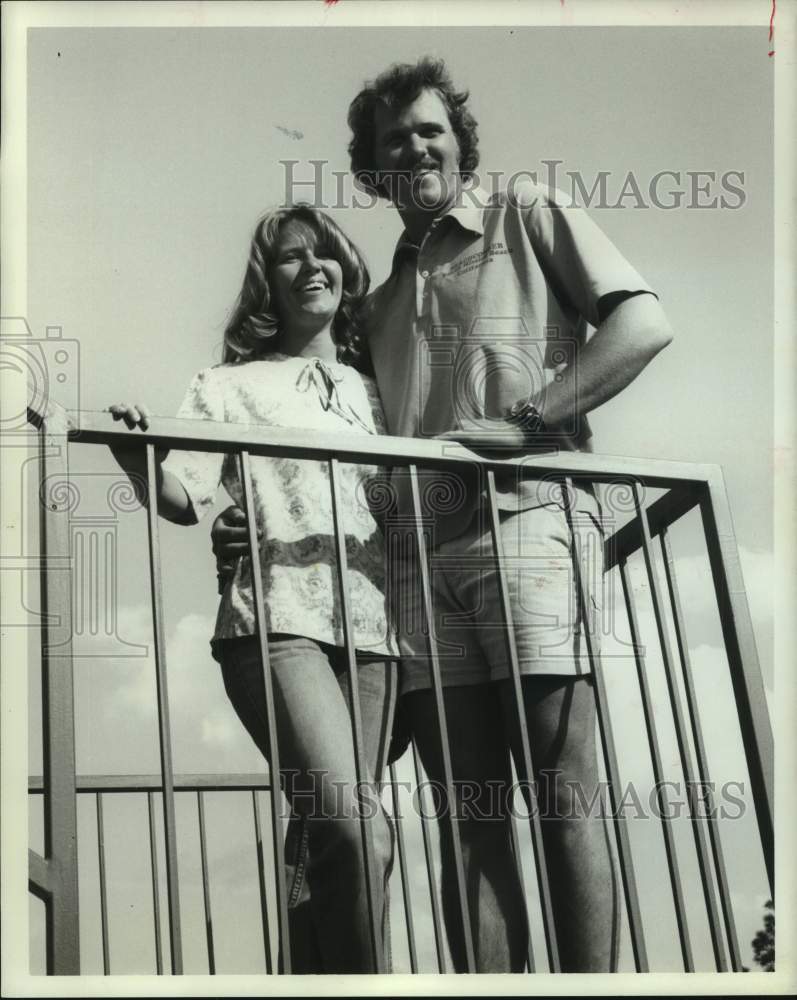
[(289, 353)]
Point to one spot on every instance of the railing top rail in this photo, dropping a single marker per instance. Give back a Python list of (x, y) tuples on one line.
[(209, 782), (99, 427)]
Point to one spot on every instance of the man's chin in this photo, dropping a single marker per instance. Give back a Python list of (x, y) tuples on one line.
[(427, 197), (433, 191)]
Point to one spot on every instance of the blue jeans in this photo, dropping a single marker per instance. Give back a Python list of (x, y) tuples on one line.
[(329, 923)]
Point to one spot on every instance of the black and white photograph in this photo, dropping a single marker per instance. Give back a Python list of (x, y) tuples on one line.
[(398, 533)]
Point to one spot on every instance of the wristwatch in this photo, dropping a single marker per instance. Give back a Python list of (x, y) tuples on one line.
[(527, 417)]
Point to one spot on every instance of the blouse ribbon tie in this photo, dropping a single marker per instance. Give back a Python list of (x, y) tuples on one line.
[(319, 375)]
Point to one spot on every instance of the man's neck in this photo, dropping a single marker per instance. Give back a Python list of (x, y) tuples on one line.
[(418, 222)]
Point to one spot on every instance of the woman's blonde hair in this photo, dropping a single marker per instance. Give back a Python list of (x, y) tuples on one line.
[(253, 328)]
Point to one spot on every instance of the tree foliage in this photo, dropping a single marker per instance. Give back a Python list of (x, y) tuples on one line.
[(764, 941)]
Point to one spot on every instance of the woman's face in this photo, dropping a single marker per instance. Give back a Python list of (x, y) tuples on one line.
[(306, 280)]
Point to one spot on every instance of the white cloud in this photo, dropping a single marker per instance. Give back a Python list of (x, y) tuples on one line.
[(116, 705)]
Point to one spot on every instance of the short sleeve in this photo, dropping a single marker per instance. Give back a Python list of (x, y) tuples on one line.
[(375, 402), (199, 472), (577, 257)]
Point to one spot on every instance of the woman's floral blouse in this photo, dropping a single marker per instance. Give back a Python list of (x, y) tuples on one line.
[(292, 498)]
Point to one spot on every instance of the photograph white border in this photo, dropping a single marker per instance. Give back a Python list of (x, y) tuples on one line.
[(16, 18)]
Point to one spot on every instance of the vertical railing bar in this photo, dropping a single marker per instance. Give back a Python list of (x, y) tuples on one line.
[(156, 905), (434, 897), (271, 718), (658, 772), (700, 752), (354, 707), (261, 879), (745, 672), (607, 741), (530, 966), (106, 959), (169, 824), (203, 855), (398, 823), (680, 734), (528, 776), (437, 689), (58, 710)]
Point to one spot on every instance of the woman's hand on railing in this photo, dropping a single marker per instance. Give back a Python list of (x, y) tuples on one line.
[(230, 538), (133, 460), (134, 415), (173, 501)]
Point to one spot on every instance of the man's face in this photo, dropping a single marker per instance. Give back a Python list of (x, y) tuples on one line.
[(417, 145)]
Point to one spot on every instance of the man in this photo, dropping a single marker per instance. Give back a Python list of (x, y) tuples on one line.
[(479, 335)]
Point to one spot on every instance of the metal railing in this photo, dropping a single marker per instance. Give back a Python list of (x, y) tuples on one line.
[(53, 875)]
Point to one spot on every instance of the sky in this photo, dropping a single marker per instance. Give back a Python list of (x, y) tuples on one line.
[(151, 152)]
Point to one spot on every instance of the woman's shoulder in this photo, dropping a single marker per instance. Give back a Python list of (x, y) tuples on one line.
[(235, 370)]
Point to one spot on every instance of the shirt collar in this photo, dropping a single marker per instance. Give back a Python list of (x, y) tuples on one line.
[(467, 212)]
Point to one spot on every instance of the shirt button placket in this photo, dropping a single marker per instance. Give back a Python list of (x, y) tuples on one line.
[(422, 282), (422, 291)]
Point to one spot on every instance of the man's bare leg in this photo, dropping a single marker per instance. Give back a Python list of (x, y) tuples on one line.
[(560, 713), (482, 776)]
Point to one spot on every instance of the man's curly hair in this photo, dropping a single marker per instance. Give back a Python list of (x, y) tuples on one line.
[(398, 86)]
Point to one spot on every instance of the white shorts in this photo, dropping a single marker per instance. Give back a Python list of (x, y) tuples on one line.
[(468, 621)]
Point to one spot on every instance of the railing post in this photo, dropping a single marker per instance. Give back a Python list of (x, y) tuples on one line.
[(164, 725), (740, 647), (58, 713)]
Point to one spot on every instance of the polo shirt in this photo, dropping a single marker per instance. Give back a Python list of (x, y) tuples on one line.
[(498, 298)]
